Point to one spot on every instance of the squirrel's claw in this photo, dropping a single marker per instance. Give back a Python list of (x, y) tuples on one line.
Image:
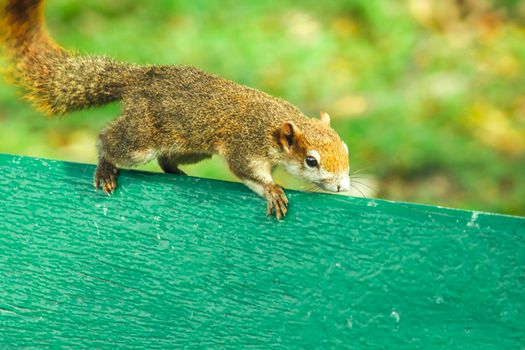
[(106, 177), (276, 201), (109, 184)]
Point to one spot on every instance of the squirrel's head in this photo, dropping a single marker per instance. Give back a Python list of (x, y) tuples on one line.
[(315, 153)]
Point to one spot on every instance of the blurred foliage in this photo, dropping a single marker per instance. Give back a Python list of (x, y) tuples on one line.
[(429, 95)]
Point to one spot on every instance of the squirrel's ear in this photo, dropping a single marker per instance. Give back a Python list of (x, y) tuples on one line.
[(289, 135), (325, 118)]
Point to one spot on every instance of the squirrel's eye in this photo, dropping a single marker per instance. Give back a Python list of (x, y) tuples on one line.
[(311, 161)]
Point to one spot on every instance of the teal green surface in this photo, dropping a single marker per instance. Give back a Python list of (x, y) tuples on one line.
[(178, 262)]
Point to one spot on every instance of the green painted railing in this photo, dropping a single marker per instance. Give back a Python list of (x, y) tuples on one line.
[(181, 262)]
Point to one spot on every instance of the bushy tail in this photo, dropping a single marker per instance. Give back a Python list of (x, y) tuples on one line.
[(57, 81)]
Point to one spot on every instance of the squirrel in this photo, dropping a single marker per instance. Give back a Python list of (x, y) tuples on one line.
[(177, 114)]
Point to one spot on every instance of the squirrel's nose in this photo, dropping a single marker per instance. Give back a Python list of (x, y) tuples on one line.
[(344, 185)]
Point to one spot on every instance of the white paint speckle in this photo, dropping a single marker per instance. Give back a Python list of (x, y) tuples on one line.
[(372, 204), (105, 210), (338, 264), (395, 315), (472, 222), (98, 229), (350, 322)]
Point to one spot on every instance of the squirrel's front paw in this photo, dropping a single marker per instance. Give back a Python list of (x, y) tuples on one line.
[(106, 176), (276, 201)]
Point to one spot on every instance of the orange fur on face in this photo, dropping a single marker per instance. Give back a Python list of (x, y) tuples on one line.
[(313, 135), (323, 139)]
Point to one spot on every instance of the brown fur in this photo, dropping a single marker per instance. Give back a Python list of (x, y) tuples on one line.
[(179, 114)]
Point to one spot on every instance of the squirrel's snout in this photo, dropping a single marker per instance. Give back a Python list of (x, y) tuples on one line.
[(344, 184), (341, 184)]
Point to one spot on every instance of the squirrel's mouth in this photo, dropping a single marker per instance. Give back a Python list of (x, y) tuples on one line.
[(334, 185), (325, 186)]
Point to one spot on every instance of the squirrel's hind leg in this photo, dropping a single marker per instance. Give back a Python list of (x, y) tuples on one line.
[(121, 143), (169, 163)]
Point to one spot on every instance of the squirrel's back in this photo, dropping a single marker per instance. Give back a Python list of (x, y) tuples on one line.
[(204, 109)]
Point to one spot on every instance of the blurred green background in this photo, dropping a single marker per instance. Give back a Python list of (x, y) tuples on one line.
[(428, 94)]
